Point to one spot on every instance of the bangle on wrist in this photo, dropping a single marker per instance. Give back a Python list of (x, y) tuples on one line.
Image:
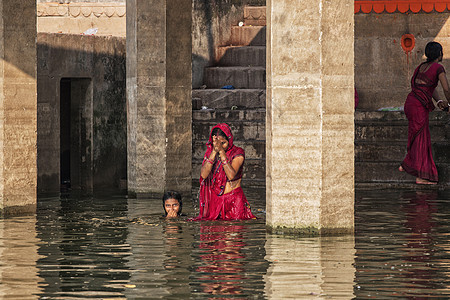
[(208, 160), (439, 101), (224, 162)]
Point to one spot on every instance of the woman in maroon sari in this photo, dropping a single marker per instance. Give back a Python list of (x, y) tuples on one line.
[(221, 195), (419, 160)]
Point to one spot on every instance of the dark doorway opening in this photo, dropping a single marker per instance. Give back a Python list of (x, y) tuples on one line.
[(76, 134)]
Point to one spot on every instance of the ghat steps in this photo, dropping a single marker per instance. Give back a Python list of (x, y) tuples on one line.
[(380, 146), (380, 137), (241, 64)]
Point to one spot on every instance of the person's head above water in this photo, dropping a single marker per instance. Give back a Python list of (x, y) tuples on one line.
[(433, 51), (172, 204)]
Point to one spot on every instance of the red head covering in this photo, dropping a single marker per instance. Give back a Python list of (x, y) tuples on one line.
[(226, 129)]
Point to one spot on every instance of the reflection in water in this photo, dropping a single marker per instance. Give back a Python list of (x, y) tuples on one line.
[(222, 271), (310, 267), (402, 242), (118, 248), (18, 255)]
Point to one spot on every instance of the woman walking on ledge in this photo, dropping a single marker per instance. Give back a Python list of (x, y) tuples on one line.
[(419, 159), (221, 195)]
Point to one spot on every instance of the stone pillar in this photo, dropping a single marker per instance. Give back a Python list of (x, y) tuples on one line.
[(309, 123), (18, 106), (159, 76)]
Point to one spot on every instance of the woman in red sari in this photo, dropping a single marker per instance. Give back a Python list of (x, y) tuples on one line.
[(221, 195), (419, 159)]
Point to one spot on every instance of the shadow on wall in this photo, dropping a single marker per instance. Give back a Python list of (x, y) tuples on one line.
[(99, 62), (383, 69)]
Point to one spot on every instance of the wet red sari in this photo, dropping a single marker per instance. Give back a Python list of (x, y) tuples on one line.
[(214, 204), (419, 159)]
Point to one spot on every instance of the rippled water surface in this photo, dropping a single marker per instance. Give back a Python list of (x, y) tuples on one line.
[(111, 247)]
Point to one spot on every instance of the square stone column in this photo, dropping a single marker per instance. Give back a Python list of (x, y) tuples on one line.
[(309, 122), (18, 106), (159, 87)]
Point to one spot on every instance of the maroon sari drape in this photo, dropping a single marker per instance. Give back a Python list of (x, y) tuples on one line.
[(419, 159), (214, 204)]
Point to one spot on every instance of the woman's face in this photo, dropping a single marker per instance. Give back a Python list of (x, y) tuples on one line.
[(172, 207), (223, 141)]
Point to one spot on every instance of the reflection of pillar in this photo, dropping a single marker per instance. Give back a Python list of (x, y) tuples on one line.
[(18, 105), (159, 87), (306, 268), (18, 257), (309, 123), (148, 253)]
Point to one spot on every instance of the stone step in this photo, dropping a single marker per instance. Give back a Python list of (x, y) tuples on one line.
[(395, 131), (396, 151), (255, 15), (380, 172), (238, 77), (241, 56), (247, 185), (377, 172), (373, 152), (222, 98), (248, 36), (254, 149), (254, 170), (214, 116), (242, 131)]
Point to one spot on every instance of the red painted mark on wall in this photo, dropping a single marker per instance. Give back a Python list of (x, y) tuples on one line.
[(408, 42)]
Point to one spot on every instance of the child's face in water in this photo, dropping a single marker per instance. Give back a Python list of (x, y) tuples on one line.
[(172, 207)]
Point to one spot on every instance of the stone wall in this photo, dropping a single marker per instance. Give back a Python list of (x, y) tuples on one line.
[(211, 28), (102, 61), (77, 17), (383, 69)]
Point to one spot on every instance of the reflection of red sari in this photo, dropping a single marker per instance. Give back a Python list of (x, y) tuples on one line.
[(222, 268), (213, 203), (419, 159)]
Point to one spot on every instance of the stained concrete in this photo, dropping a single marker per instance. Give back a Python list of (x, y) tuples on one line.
[(383, 69), (101, 62), (17, 106), (309, 121)]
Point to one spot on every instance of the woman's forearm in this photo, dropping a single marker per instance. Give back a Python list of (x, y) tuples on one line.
[(228, 167), (208, 165)]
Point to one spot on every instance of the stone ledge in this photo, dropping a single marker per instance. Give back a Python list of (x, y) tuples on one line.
[(75, 10), (25, 210), (309, 231)]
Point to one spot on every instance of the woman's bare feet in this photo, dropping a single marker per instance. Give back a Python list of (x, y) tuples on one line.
[(424, 181), (401, 169)]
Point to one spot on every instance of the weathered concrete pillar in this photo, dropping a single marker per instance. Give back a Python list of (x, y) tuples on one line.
[(18, 106), (159, 76), (309, 123)]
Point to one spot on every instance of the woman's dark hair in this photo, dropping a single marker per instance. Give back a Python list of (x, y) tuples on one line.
[(172, 195), (432, 51), (218, 132)]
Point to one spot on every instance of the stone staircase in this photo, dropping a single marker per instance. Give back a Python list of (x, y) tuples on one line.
[(380, 146), (380, 137), (240, 64)]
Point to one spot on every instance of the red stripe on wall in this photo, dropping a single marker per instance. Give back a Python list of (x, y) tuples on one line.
[(402, 6)]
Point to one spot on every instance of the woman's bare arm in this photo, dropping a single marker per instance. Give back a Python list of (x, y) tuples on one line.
[(207, 165), (445, 87), (231, 168)]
